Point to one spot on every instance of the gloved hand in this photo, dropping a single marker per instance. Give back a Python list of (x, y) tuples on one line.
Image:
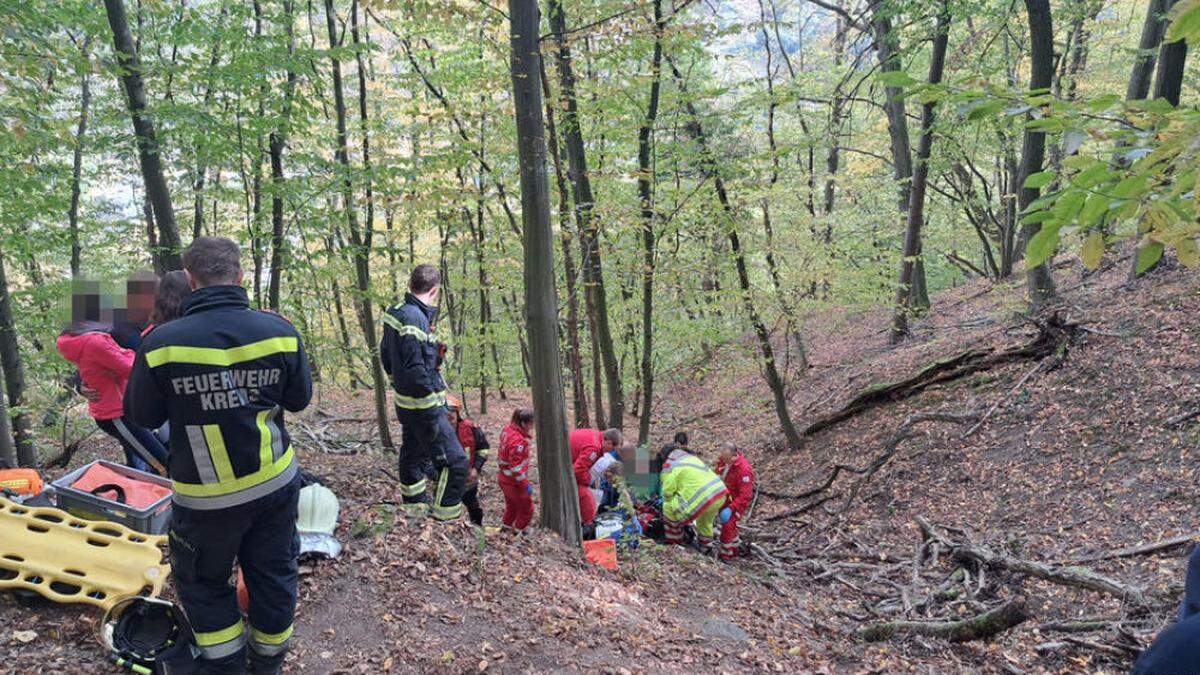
[(726, 514), (529, 489)]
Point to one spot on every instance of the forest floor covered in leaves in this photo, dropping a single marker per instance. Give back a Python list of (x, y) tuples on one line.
[(1085, 455)]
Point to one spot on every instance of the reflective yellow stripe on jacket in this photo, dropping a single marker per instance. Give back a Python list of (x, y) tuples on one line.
[(687, 486), (211, 356)]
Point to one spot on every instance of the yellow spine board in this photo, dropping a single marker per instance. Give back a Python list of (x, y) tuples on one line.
[(67, 559)]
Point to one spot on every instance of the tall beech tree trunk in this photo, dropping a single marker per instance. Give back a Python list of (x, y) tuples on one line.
[(574, 353), (887, 49), (276, 145), (361, 246), (166, 250), (1033, 150), (770, 370), (1153, 28), (582, 192), (560, 499), (916, 200), (649, 216), (14, 374), (84, 70)]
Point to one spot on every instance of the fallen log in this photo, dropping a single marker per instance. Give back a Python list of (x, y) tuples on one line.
[(1053, 336), (981, 627), (1076, 577)]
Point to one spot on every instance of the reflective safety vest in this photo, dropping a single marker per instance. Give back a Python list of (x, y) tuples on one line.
[(411, 355), (223, 375), (688, 486)]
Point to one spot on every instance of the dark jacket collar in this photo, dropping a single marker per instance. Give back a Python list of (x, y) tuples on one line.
[(217, 297), (429, 312)]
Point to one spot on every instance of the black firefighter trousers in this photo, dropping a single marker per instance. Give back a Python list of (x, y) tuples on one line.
[(427, 437)]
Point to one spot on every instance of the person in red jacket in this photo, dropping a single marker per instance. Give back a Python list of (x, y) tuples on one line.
[(587, 446), (738, 475), (104, 367), (513, 459), (475, 444)]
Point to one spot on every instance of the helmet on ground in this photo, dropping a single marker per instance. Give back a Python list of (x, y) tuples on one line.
[(316, 520), (141, 632)]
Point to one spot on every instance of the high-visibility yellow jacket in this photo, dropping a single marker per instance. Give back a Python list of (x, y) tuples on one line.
[(688, 486)]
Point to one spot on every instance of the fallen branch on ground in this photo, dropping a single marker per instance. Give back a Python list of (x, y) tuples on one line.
[(1132, 551), (800, 510), (1182, 418), (1076, 577), (1053, 337), (983, 626), (1003, 399), (902, 433)]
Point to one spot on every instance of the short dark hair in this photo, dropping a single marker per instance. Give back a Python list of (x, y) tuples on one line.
[(613, 436), (522, 416), (681, 438), (213, 261), (424, 278)]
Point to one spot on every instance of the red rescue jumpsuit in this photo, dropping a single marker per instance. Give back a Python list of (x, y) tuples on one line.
[(587, 446), (513, 459), (739, 481)]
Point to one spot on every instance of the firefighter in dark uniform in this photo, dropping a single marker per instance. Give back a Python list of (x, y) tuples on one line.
[(224, 374), (412, 356)]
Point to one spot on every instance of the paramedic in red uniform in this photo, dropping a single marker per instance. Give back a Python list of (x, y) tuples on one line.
[(475, 444), (738, 475), (513, 458), (587, 446)]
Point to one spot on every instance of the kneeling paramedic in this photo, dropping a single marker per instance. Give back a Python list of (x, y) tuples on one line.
[(692, 495), (412, 355), (223, 375)]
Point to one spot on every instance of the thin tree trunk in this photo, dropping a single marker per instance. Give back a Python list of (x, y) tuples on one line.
[(1153, 28), (276, 145), (8, 448), (1041, 56), (360, 245), (14, 374), (770, 369), (916, 202), (785, 305), (85, 99), (649, 216), (1168, 86), (582, 189), (560, 500), (574, 355), (167, 249)]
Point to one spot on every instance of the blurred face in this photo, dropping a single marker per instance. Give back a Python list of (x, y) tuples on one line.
[(528, 427), (452, 415), (728, 453), (139, 301), (607, 445)]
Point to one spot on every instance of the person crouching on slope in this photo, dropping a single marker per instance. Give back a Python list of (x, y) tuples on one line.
[(692, 495), (475, 444), (738, 475), (513, 459)]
